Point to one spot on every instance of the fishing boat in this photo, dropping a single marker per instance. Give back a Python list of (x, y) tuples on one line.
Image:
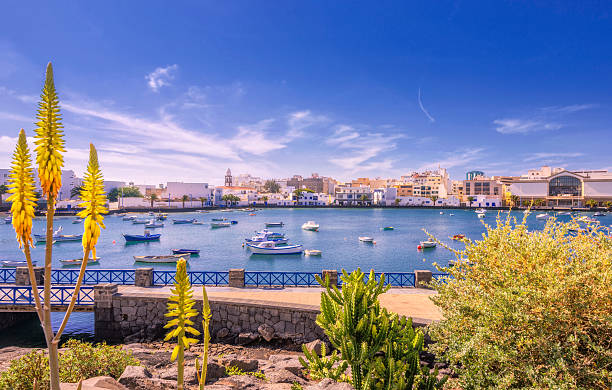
[(366, 239), (215, 225), (183, 221), (270, 234), (129, 218), (141, 221), (270, 248), (480, 211), (273, 224), (388, 228), (141, 237), (267, 237), (58, 236), (15, 264), (192, 252), (233, 222), (481, 215), (163, 259), (199, 222), (77, 220), (542, 216), (162, 217), (219, 219), (153, 225), (79, 261), (8, 220), (311, 226), (312, 252), (599, 214), (457, 237), (428, 244)]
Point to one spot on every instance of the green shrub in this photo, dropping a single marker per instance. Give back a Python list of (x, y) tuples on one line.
[(529, 309), (81, 360), (233, 370), (325, 366)]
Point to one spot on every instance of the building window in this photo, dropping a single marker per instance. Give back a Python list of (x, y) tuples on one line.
[(565, 185)]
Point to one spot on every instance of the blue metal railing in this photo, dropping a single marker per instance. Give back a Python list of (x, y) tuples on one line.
[(7, 275), (59, 295), (439, 276), (260, 278), (93, 276), (394, 279), (211, 278)]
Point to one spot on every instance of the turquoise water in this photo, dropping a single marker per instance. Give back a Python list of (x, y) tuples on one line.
[(221, 249)]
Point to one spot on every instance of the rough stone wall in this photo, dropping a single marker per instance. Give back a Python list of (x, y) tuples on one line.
[(142, 318), (8, 319)]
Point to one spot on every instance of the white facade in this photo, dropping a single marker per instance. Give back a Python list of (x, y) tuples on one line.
[(241, 192), (350, 195), (69, 181), (451, 201), (529, 188), (485, 201), (109, 185), (176, 190), (311, 199)]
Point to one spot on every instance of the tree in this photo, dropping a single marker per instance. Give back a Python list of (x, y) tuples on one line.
[(609, 204), (3, 190), (514, 200), (185, 198), (131, 192), (271, 186), (397, 201), (364, 199), (592, 203), (470, 199), (153, 198), (433, 199), (264, 199), (76, 191), (203, 199), (113, 195)]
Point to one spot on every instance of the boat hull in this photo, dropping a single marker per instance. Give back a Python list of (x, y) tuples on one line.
[(286, 250), (160, 259), (192, 252), (139, 238)]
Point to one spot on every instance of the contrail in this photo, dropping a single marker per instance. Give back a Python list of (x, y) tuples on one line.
[(431, 118)]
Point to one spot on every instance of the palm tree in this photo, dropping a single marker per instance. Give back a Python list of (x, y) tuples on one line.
[(592, 203), (514, 200), (3, 190), (203, 199), (153, 198), (265, 200), (185, 198), (609, 205), (75, 191), (397, 202), (470, 199), (225, 198), (434, 198), (363, 199)]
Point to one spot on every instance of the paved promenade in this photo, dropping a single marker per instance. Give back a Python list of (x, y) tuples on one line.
[(411, 302)]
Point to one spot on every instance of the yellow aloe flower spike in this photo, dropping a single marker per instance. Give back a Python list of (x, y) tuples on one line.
[(49, 138), (180, 305), (22, 188), (94, 199)]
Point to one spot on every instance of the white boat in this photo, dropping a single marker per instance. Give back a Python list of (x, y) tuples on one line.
[(366, 239), (8, 220), (270, 248), (77, 220), (79, 261), (199, 223), (215, 225), (312, 252), (481, 215), (15, 264), (153, 225), (527, 211), (542, 216), (599, 214), (270, 234), (271, 224), (202, 211), (480, 211), (161, 259), (311, 225), (141, 221), (266, 237), (129, 218), (428, 244)]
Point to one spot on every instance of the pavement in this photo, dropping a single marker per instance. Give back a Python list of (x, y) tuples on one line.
[(410, 302)]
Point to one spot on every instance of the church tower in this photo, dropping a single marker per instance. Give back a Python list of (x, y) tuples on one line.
[(228, 178)]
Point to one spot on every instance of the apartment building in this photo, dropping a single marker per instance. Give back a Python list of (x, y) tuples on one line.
[(347, 195)]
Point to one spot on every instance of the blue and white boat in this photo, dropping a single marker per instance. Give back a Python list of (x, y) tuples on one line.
[(8, 220), (266, 237), (219, 219), (153, 225), (192, 252), (141, 221), (270, 234), (270, 248), (183, 221), (15, 264), (141, 237)]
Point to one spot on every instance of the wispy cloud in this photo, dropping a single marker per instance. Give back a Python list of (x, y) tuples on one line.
[(521, 126), (298, 121), (552, 157), (161, 77), (253, 138), (431, 118), (571, 108), (15, 117), (455, 159)]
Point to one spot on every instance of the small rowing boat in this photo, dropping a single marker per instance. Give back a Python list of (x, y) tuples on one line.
[(182, 221), (366, 239), (427, 244), (270, 248), (141, 237), (273, 224), (140, 221), (388, 228), (219, 219), (163, 259), (79, 261), (15, 264), (199, 223), (153, 225), (192, 252), (215, 225), (311, 226), (312, 252), (458, 237)]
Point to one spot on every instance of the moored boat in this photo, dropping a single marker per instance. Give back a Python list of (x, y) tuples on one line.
[(270, 248), (481, 215), (599, 214), (542, 216), (141, 237), (480, 211), (215, 225), (162, 217), (153, 225), (8, 220), (129, 218), (15, 264), (140, 221), (266, 237), (163, 259), (199, 222), (366, 239), (183, 221), (270, 234), (311, 226), (312, 252), (77, 220), (79, 261), (427, 244), (273, 224), (192, 252), (219, 219), (59, 237), (388, 228), (458, 237)]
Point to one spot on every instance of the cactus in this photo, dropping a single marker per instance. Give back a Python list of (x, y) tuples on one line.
[(206, 315), (180, 305), (324, 366)]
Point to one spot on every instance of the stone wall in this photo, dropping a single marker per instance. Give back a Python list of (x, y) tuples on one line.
[(135, 318), (8, 319)]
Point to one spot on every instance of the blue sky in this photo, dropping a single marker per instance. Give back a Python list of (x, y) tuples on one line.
[(183, 90)]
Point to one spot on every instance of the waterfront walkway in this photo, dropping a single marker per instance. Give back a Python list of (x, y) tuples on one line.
[(411, 302)]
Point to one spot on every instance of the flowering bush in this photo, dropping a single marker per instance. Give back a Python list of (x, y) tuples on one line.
[(529, 309)]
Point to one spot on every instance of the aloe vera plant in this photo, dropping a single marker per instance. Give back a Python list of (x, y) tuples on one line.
[(201, 369), (180, 306)]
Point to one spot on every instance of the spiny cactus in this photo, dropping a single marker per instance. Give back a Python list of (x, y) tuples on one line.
[(323, 366), (180, 306), (206, 316)]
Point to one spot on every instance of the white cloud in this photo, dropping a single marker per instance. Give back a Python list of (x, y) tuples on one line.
[(15, 117), (431, 118), (521, 126), (161, 77), (552, 156), (300, 120), (571, 108), (455, 159), (252, 138)]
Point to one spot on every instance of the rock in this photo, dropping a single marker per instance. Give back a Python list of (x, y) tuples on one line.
[(134, 377), (330, 384), (96, 383), (292, 365), (171, 373), (266, 331), (237, 382), (246, 338), (223, 333), (136, 337), (242, 364), (276, 386), (214, 371), (283, 376), (316, 346)]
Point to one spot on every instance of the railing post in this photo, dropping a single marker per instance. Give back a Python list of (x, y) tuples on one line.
[(143, 277), (422, 278), (236, 278), (333, 276), (103, 311), (22, 277)]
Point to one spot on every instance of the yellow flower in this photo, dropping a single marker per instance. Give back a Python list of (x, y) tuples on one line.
[(49, 138), (22, 190), (94, 199)]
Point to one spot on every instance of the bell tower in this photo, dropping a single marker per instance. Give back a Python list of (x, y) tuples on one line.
[(228, 178)]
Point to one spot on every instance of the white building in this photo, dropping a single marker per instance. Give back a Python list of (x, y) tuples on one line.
[(110, 184), (176, 190), (69, 181), (244, 193), (347, 195), (311, 199)]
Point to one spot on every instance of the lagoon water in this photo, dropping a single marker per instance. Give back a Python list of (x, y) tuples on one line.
[(221, 249)]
